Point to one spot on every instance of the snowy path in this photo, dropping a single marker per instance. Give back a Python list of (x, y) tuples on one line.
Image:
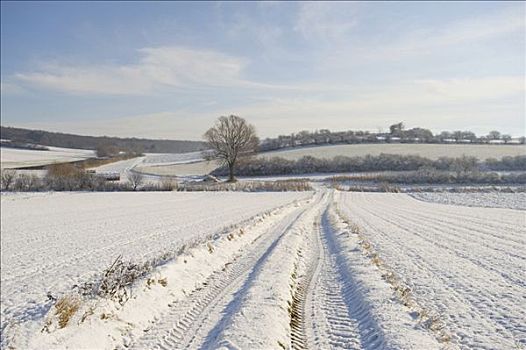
[(465, 263), (207, 318), (193, 322), (242, 306)]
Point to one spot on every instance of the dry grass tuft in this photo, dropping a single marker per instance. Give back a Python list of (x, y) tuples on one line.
[(65, 308)]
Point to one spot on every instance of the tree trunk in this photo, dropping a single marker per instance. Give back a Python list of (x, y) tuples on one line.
[(231, 177)]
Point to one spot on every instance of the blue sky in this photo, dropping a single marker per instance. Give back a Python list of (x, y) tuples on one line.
[(169, 69)]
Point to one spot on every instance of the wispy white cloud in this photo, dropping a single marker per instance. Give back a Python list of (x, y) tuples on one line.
[(430, 39), (487, 88), (9, 88), (326, 21), (441, 103), (157, 68)]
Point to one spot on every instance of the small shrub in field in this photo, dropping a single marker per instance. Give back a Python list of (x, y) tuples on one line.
[(168, 184), (24, 182), (8, 178), (115, 280)]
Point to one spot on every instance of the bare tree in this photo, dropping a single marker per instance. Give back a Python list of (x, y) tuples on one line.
[(105, 150), (494, 135), (8, 178), (230, 139), (135, 179)]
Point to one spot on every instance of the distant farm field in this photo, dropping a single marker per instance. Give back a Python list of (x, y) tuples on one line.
[(20, 158), (433, 151), (184, 169)]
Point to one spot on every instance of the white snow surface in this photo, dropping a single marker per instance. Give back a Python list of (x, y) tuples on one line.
[(172, 158), (466, 264), (50, 242), (477, 199), (15, 158), (238, 291)]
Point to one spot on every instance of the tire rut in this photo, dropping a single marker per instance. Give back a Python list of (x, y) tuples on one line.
[(336, 315)]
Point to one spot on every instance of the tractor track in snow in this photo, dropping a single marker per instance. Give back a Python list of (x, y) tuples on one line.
[(328, 310), (192, 321), (298, 334), (337, 316)]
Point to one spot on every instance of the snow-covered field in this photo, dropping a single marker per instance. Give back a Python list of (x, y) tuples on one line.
[(464, 264), (433, 151), (490, 199), (18, 158), (161, 164), (50, 242), (329, 270), (172, 158), (191, 164), (122, 167), (199, 168)]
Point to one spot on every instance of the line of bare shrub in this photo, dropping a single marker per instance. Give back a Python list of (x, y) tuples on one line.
[(69, 177), (261, 166), (249, 186), (433, 176)]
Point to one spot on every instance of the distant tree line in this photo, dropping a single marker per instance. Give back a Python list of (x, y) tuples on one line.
[(433, 176), (23, 145), (46, 138), (397, 134), (262, 166)]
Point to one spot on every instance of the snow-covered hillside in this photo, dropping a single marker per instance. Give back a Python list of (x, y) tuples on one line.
[(18, 158)]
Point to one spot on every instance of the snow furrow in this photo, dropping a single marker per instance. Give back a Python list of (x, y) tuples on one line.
[(465, 275), (484, 298), (464, 244)]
